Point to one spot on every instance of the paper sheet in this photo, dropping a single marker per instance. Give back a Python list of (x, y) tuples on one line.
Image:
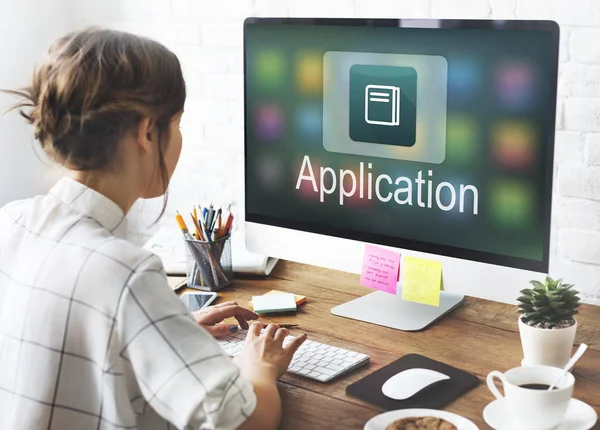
[(380, 269), (422, 281)]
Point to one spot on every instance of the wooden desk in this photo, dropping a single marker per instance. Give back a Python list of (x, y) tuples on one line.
[(479, 337)]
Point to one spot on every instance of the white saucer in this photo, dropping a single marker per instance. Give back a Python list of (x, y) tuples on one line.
[(381, 421), (579, 416)]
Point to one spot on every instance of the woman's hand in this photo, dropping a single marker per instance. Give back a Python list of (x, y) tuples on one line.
[(265, 352), (210, 318)]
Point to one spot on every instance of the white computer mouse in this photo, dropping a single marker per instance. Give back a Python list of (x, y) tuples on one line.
[(409, 382)]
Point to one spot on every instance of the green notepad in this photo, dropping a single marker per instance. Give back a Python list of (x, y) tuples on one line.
[(271, 303)]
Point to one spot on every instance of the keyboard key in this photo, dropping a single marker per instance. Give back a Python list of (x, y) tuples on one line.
[(325, 371), (334, 367)]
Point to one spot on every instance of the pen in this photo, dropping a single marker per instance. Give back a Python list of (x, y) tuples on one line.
[(210, 218), (287, 325), (218, 222)]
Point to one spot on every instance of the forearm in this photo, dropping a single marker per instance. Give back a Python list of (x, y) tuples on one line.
[(267, 414)]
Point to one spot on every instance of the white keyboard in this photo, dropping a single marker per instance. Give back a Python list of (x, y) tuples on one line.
[(313, 359)]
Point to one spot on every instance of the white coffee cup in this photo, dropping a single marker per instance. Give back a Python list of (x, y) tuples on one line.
[(533, 409)]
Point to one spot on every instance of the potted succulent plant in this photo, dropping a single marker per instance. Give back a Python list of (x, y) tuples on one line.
[(547, 323)]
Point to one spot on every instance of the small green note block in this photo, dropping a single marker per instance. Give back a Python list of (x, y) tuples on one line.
[(274, 303)]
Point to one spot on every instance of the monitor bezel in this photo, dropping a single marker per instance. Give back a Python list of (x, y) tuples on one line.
[(540, 266)]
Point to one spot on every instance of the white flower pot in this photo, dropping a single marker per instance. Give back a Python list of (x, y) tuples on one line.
[(548, 347)]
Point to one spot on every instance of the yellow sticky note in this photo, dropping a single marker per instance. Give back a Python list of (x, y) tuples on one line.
[(422, 281)]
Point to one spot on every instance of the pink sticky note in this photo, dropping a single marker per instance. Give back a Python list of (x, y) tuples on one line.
[(380, 269)]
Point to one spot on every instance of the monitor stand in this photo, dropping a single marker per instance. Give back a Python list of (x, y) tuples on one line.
[(391, 311)]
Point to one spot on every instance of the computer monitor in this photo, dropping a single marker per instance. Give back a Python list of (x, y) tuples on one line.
[(434, 138)]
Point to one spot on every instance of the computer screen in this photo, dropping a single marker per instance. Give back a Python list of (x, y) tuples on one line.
[(436, 138)]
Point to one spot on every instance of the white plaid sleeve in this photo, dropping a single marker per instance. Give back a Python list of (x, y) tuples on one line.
[(6, 223), (181, 370)]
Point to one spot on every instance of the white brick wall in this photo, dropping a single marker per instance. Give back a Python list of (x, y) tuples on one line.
[(207, 35)]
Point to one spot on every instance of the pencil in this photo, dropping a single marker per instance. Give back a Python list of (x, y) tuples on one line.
[(219, 226), (182, 226), (197, 227)]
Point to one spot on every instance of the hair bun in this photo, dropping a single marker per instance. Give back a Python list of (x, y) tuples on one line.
[(93, 87)]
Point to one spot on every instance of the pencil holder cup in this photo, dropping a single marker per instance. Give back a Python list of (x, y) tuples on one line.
[(209, 266)]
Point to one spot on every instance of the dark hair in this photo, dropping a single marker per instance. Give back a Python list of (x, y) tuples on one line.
[(95, 86)]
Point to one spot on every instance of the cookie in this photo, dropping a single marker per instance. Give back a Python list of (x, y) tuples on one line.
[(421, 423)]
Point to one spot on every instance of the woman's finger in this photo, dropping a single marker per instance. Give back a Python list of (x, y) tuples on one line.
[(242, 321), (254, 330), (219, 330), (220, 305), (271, 330), (281, 334), (219, 314), (294, 344)]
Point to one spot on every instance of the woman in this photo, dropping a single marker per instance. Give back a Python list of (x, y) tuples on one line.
[(91, 336)]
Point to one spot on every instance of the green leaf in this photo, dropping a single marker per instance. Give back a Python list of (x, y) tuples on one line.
[(555, 297), (542, 309), (526, 307), (538, 285), (524, 299), (541, 301), (557, 305)]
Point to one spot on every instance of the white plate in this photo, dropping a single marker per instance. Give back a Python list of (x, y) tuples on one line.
[(579, 416), (381, 421)]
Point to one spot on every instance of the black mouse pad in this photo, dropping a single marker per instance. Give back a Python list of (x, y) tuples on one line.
[(436, 396)]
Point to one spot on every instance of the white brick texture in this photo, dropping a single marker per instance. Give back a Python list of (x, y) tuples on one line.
[(503, 8), (577, 182), (586, 277), (584, 45), (392, 9), (321, 8), (569, 148), (593, 150), (565, 12), (580, 246), (207, 36), (580, 80), (460, 9), (576, 213), (582, 113)]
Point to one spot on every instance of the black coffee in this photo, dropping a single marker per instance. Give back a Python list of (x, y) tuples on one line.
[(536, 386)]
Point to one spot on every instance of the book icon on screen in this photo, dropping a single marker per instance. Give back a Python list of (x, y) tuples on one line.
[(382, 105)]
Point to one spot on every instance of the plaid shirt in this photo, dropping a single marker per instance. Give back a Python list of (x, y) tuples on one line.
[(91, 336)]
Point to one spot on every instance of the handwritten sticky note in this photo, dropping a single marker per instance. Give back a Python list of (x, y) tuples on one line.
[(422, 281), (380, 269)]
